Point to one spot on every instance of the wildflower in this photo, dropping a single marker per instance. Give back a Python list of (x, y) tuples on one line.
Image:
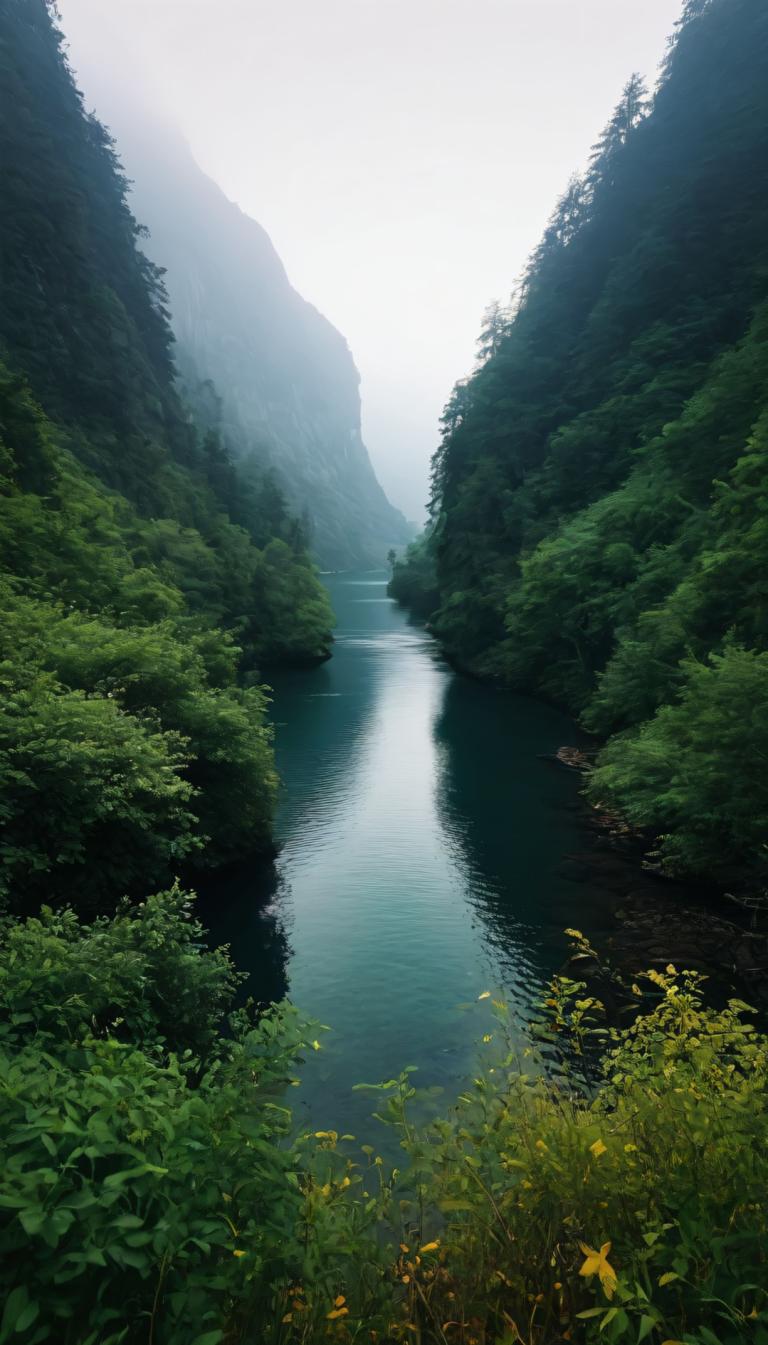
[(430, 1246), (238, 1253), (337, 1312), (598, 1148), (596, 1263), (339, 1302)]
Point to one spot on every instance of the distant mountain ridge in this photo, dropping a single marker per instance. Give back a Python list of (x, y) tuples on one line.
[(287, 383)]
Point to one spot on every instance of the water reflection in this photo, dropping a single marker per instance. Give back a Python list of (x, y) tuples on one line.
[(420, 836), (241, 907), (510, 817)]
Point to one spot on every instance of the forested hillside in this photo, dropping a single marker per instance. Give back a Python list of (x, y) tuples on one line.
[(145, 579), (287, 385), (599, 515)]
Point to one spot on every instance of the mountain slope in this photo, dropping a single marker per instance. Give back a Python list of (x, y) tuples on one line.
[(144, 579), (600, 489), (288, 386)]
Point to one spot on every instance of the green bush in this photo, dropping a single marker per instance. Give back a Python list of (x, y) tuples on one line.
[(161, 675), (92, 799), (144, 1193), (152, 1187), (697, 769)]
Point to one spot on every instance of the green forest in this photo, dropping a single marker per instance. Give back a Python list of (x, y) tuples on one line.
[(598, 533), (147, 582), (598, 537)]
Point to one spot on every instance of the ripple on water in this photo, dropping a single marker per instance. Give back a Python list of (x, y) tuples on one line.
[(421, 836)]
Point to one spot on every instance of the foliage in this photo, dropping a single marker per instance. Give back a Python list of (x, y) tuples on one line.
[(413, 581), (152, 1187), (598, 497), (144, 1191), (81, 784), (145, 578), (141, 976), (667, 775)]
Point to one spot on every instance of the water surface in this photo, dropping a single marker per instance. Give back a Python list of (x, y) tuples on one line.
[(421, 837)]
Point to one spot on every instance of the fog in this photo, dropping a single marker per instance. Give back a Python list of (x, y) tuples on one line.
[(403, 155)]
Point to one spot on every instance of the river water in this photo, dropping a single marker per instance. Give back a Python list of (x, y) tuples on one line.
[(421, 842)]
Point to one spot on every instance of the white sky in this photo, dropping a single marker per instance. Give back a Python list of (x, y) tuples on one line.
[(403, 155)]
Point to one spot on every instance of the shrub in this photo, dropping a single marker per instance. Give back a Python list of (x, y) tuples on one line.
[(148, 1193), (713, 804)]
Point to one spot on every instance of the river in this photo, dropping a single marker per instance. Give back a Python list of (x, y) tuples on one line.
[(421, 842)]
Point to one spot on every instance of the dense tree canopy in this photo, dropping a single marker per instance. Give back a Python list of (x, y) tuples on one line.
[(599, 494), (146, 580)]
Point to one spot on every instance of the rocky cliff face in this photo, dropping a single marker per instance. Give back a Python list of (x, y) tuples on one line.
[(287, 383)]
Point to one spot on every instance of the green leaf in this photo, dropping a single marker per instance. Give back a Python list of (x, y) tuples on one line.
[(27, 1316), (16, 1303)]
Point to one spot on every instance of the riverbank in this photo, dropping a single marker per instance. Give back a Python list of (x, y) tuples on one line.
[(658, 920)]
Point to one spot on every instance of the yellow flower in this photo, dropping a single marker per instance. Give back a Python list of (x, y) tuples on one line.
[(488, 1037), (337, 1312), (598, 1148), (597, 1264), (339, 1302), (430, 1246), (541, 1145), (316, 1046), (238, 1253)]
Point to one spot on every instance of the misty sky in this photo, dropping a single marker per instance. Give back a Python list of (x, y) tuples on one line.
[(404, 155)]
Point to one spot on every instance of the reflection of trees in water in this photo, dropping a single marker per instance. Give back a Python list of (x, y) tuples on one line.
[(240, 906), (509, 815), (322, 718)]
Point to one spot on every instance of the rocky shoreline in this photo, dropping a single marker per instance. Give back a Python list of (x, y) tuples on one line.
[(653, 920)]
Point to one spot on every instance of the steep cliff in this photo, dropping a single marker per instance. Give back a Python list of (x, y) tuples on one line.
[(287, 382)]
